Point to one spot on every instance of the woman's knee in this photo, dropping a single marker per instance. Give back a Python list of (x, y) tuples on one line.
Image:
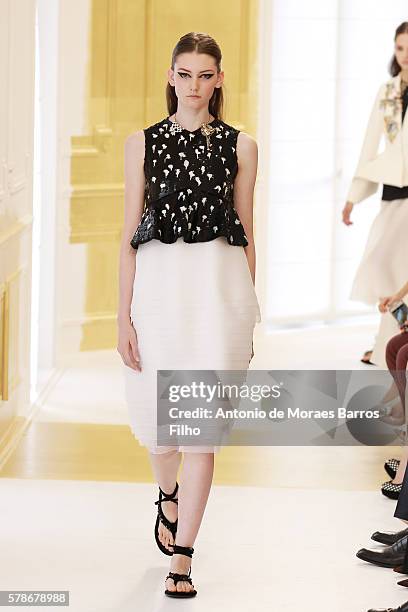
[(391, 351), (402, 357), (198, 457)]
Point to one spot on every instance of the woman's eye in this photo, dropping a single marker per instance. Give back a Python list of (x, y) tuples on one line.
[(184, 74)]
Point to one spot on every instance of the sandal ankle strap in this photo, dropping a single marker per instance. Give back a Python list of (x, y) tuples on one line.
[(183, 550), (167, 496)]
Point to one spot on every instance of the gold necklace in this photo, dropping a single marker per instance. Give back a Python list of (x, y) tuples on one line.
[(206, 129)]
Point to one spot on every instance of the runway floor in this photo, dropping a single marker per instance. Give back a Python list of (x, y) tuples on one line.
[(280, 530), (258, 548)]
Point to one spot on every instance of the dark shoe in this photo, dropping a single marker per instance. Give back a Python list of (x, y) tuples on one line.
[(388, 538), (402, 608), (366, 358), (391, 490), (403, 583), (188, 552), (400, 570), (391, 466), (390, 556), (161, 518)]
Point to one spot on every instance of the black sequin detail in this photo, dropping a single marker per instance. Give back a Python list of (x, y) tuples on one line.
[(188, 188)]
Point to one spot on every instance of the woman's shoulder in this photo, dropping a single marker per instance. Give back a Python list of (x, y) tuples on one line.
[(389, 87), (395, 80), (244, 137), (227, 128), (134, 142), (138, 137), (157, 126), (247, 148)]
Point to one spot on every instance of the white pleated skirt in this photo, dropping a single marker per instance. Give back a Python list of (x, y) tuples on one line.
[(384, 266), (194, 307)]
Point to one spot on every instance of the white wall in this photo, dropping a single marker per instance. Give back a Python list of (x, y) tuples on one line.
[(324, 62), (73, 61)]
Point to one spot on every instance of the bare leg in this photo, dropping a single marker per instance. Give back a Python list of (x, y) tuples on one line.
[(397, 358), (194, 489), (165, 467), (391, 394)]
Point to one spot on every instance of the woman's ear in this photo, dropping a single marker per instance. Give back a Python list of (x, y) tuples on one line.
[(220, 79), (170, 76)]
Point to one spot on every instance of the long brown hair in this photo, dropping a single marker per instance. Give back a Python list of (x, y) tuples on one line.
[(200, 43), (394, 67)]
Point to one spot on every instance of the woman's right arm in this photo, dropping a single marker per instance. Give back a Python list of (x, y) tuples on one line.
[(362, 188), (134, 203)]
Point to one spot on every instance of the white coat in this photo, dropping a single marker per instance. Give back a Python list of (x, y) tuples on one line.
[(390, 165)]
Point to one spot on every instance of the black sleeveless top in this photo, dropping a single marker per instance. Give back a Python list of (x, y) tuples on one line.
[(188, 186)]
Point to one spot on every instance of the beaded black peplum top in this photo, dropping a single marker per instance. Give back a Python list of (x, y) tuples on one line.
[(189, 185)]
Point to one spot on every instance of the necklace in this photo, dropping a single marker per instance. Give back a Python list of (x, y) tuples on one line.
[(206, 129)]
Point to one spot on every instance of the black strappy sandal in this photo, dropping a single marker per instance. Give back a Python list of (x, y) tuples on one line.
[(188, 552), (161, 518)]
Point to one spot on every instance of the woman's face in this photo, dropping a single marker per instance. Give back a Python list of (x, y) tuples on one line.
[(195, 77), (401, 51)]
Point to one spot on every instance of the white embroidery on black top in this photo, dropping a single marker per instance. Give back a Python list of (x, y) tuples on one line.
[(189, 191)]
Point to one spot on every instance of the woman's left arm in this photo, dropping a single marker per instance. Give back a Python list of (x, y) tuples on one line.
[(247, 154)]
